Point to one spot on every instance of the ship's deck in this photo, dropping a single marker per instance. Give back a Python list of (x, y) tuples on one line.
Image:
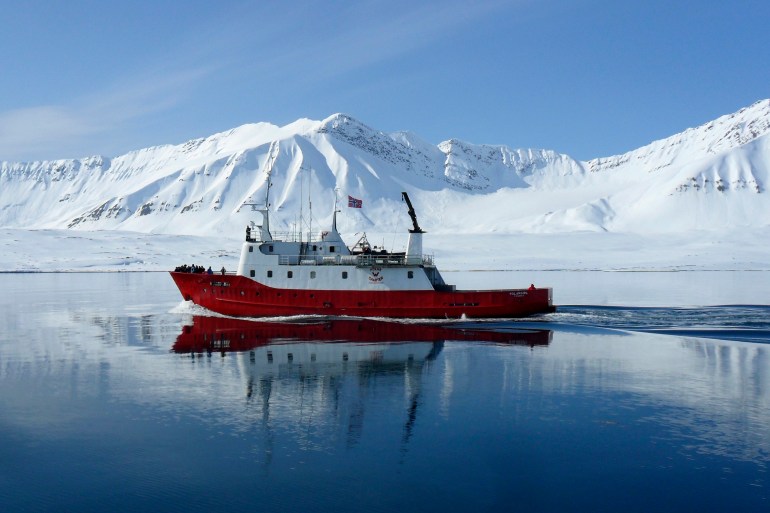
[(361, 260)]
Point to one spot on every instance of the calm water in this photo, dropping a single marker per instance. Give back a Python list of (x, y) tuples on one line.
[(116, 397)]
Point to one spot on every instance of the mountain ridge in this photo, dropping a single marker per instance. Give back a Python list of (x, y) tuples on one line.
[(710, 176)]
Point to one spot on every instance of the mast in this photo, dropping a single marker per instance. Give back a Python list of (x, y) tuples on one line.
[(301, 200), (302, 221), (334, 213), (264, 228), (310, 206)]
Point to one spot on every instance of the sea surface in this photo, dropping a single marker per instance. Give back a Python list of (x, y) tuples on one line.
[(644, 392)]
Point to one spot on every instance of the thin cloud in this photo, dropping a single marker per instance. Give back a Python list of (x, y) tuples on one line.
[(363, 34), (268, 48), (56, 131), (42, 130)]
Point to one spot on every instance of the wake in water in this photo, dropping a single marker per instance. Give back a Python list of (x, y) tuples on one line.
[(746, 323)]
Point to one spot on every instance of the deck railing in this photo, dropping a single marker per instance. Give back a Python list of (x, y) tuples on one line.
[(364, 260)]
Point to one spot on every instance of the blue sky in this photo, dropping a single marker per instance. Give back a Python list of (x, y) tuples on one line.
[(589, 78)]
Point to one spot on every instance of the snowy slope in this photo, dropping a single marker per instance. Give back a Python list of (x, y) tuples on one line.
[(712, 177)]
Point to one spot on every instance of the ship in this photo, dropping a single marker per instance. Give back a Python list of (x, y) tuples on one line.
[(292, 275)]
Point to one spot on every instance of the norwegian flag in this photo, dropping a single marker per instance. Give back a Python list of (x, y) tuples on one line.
[(355, 203)]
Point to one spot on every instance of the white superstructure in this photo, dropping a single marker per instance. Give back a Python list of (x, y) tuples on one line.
[(327, 263)]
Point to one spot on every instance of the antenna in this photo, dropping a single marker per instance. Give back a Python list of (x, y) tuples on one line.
[(310, 205), (271, 158), (301, 214), (265, 227), (334, 213)]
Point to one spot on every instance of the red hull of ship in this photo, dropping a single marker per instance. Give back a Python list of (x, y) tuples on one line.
[(239, 296)]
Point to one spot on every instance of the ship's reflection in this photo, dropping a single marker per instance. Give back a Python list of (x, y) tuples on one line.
[(334, 365), (219, 334)]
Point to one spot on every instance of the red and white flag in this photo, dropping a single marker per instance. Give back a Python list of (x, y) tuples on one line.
[(355, 203)]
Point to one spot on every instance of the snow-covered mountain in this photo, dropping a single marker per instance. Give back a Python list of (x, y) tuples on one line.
[(711, 177)]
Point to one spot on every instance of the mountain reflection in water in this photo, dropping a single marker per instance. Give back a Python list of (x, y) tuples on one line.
[(122, 401)]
